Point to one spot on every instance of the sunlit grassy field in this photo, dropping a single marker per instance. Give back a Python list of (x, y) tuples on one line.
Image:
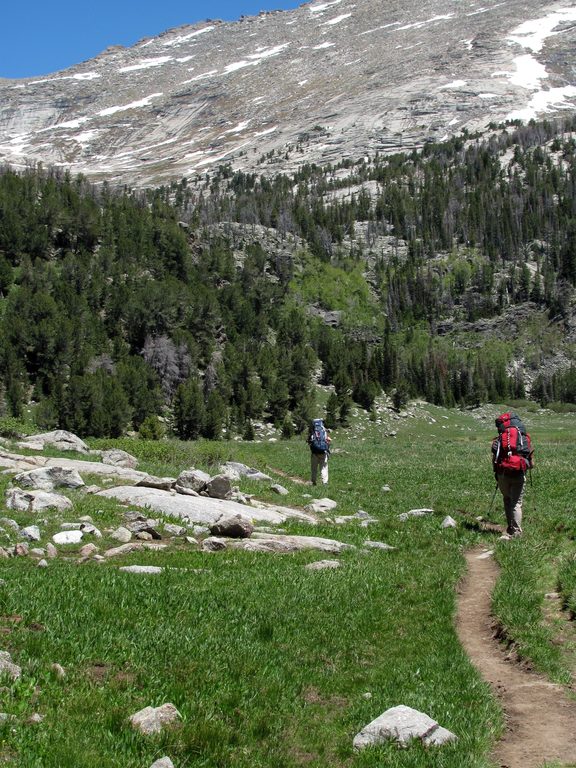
[(271, 664)]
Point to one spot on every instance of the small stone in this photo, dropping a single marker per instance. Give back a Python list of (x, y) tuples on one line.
[(152, 720), (279, 489), (174, 530), (163, 762), (42, 564), (449, 522), (121, 534), (88, 550), (31, 532), (35, 719), (58, 670), (51, 550)]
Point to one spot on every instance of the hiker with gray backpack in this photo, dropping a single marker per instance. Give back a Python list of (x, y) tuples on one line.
[(319, 442), (512, 457)]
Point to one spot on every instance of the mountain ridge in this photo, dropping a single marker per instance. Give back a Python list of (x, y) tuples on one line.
[(325, 82)]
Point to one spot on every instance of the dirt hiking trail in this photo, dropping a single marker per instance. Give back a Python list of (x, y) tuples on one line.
[(540, 718)]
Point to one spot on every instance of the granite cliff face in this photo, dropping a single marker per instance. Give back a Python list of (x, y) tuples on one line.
[(328, 81)]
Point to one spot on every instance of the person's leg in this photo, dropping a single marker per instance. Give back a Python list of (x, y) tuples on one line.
[(512, 490), (324, 469), (313, 467), (516, 495)]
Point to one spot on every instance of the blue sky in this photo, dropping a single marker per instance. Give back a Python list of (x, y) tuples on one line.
[(40, 37)]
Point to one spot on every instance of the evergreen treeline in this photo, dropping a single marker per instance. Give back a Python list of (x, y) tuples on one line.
[(118, 307)]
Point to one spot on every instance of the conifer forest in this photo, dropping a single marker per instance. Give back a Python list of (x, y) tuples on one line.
[(451, 272)]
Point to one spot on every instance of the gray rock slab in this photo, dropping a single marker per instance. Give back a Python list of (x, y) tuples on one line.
[(36, 501), (402, 724), (119, 458), (48, 478), (133, 546), (235, 470), (199, 509), (279, 543), (19, 463), (321, 505), (60, 439), (162, 483)]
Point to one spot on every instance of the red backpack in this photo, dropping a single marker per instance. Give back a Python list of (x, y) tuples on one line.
[(512, 449)]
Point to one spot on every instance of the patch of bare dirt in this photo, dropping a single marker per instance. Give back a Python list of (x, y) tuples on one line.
[(281, 472), (540, 718)]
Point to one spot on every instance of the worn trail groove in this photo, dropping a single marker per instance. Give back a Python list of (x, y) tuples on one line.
[(540, 718)]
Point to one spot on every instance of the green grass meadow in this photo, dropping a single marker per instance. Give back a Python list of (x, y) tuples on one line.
[(273, 665)]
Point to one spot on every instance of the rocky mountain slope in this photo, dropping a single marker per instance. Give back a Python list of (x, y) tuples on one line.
[(327, 81)]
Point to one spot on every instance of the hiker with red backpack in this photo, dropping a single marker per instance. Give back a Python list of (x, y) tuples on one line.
[(512, 456), (319, 442)]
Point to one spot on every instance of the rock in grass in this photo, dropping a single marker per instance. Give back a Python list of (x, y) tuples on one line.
[(402, 724), (31, 532), (51, 550), (279, 489), (48, 478), (233, 526), (58, 670), (68, 537), (234, 470), (321, 565), (449, 522), (132, 546), (121, 534), (118, 458), (36, 501), (174, 530), (152, 720), (191, 480), (141, 569), (219, 487), (415, 513), (163, 762), (377, 545), (88, 550), (7, 666), (321, 505)]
